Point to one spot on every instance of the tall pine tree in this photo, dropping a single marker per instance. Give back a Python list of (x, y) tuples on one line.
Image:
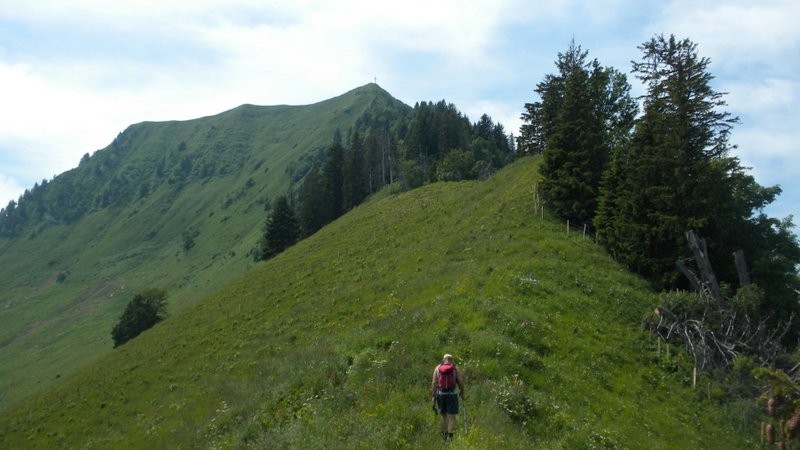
[(282, 229), (677, 175), (539, 118), (669, 180), (354, 188), (333, 180), (585, 111), (312, 210)]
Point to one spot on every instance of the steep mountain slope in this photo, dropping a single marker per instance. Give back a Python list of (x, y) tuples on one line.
[(175, 205), (331, 345)]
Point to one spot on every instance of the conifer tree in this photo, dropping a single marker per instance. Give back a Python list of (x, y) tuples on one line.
[(503, 144), (354, 181), (282, 229), (539, 117), (677, 175), (374, 162), (311, 211), (490, 145), (484, 128), (585, 111), (146, 309), (668, 181), (333, 179), (574, 152)]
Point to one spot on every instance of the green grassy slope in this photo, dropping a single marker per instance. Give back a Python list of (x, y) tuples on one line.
[(331, 344), (63, 287)]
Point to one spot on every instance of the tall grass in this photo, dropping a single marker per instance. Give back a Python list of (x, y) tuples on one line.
[(331, 344)]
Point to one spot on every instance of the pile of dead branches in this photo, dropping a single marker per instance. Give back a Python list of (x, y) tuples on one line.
[(716, 330), (714, 336)]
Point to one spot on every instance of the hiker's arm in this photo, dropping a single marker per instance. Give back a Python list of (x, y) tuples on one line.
[(460, 383), (434, 381)]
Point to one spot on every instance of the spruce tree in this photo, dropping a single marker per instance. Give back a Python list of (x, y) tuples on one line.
[(677, 175), (574, 150), (312, 209), (282, 229), (668, 181), (373, 160), (585, 111), (333, 179), (539, 117), (354, 180)]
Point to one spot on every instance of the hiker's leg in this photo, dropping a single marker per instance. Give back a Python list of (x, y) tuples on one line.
[(451, 424), (441, 407), (452, 411)]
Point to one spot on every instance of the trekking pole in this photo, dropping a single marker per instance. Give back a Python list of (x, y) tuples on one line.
[(464, 405)]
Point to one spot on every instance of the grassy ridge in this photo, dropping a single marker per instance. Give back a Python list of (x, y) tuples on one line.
[(331, 344), (63, 287)]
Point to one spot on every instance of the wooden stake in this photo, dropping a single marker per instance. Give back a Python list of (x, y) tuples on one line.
[(584, 230), (694, 378), (567, 227)]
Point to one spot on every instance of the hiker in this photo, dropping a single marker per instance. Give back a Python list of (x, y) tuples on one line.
[(443, 388)]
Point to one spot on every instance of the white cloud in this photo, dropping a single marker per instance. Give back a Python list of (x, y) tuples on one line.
[(286, 63), (770, 151), (145, 11), (775, 148), (87, 69), (759, 96), (736, 33), (501, 112), (9, 189), (41, 114)]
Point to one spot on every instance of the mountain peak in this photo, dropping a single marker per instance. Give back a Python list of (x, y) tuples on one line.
[(369, 89)]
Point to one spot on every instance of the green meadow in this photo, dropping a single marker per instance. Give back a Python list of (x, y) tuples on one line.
[(331, 344), (177, 205)]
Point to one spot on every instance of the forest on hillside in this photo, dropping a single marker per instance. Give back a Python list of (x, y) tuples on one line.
[(435, 142), (432, 142)]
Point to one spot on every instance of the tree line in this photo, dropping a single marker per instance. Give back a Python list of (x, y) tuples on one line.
[(435, 142), (109, 178), (642, 172)]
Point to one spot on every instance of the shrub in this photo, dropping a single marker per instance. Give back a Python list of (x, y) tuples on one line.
[(146, 309)]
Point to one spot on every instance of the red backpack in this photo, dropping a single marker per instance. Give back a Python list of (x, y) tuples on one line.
[(447, 377)]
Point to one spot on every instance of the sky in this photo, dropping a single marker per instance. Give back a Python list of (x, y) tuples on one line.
[(75, 73)]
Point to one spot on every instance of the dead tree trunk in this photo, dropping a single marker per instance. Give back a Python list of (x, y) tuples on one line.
[(697, 285), (698, 246), (718, 331)]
